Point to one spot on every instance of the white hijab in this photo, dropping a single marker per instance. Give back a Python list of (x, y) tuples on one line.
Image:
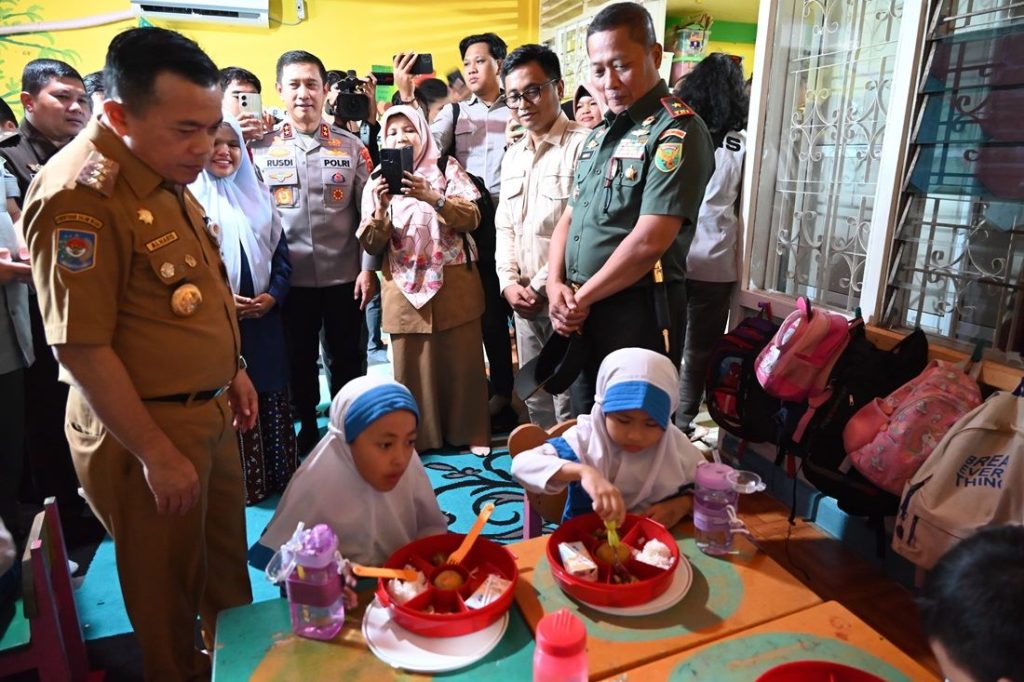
[(241, 205), (327, 488), (650, 475)]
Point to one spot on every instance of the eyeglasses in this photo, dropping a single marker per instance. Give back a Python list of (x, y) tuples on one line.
[(530, 94)]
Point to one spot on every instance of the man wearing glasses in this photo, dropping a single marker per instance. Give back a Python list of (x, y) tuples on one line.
[(536, 180), (637, 192)]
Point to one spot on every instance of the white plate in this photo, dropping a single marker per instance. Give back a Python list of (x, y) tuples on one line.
[(677, 589), (400, 648)]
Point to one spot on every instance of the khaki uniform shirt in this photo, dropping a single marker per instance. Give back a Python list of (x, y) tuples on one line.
[(26, 151), (479, 136), (535, 186), (111, 243), (317, 183), (655, 158)]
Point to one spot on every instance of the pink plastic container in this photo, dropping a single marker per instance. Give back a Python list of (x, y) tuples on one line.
[(635, 532), (450, 617), (561, 652), (816, 671)]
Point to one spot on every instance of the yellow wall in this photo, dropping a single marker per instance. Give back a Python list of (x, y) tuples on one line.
[(343, 33)]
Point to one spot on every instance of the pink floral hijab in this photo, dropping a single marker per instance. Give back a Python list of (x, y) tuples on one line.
[(421, 244)]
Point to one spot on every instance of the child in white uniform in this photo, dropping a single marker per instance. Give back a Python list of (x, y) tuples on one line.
[(364, 479), (626, 455)]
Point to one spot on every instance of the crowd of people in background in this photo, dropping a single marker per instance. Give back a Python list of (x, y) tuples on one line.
[(184, 260)]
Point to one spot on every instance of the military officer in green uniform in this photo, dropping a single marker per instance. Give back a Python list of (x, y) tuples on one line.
[(137, 307), (638, 188)]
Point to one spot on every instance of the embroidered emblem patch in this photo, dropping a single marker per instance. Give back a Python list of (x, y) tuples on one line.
[(283, 196), (76, 250), (668, 156), (83, 218), (337, 195), (672, 133)]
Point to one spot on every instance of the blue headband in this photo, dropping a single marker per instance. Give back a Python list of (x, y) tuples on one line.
[(374, 404), (638, 395)]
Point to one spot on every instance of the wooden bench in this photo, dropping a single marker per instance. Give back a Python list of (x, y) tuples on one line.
[(44, 633)]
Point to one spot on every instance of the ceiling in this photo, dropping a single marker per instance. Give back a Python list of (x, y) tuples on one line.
[(744, 11)]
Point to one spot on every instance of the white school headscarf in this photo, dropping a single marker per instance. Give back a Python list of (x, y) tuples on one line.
[(327, 488), (635, 378), (241, 205)]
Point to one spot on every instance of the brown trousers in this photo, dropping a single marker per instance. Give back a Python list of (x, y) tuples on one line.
[(171, 568), (445, 372)]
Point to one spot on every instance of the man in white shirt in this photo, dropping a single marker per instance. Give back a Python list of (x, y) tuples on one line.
[(536, 179)]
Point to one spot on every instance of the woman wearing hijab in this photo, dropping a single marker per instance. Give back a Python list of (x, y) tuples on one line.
[(431, 294), (585, 109), (626, 455), (256, 257), (376, 499)]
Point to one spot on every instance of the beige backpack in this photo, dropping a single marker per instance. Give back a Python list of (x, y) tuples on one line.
[(974, 478)]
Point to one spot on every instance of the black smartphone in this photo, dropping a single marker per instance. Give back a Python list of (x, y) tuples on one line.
[(455, 77), (384, 77), (424, 64), (393, 163)]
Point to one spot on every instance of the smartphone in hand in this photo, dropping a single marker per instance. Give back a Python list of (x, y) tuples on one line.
[(393, 164), (384, 77), (250, 103), (424, 64)]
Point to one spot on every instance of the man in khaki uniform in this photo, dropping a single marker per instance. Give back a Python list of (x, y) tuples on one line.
[(137, 306), (536, 179)]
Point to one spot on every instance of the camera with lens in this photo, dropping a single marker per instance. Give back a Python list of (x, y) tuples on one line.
[(351, 103)]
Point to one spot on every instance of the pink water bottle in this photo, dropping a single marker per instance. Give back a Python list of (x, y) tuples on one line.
[(561, 653), (315, 586)]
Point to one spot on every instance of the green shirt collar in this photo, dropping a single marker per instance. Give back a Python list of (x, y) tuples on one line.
[(645, 106)]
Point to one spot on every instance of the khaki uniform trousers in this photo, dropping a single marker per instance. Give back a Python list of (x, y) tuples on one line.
[(170, 567)]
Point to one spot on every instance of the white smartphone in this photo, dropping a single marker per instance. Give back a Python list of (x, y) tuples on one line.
[(250, 103)]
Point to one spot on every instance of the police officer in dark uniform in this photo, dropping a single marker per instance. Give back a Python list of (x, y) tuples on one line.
[(638, 189), (56, 109)]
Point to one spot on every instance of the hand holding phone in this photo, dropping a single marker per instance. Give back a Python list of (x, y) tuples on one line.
[(393, 165)]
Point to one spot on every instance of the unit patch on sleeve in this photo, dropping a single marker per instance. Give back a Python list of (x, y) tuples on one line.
[(76, 249), (83, 218)]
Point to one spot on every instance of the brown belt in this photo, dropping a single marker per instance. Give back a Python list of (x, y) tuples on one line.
[(188, 398)]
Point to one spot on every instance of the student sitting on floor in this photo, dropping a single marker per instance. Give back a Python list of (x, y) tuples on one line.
[(972, 605), (626, 455), (363, 479)]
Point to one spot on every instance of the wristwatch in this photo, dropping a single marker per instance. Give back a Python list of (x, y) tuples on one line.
[(439, 204)]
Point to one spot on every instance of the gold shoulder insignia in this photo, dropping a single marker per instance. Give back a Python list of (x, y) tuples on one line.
[(676, 107), (98, 173), (325, 131)]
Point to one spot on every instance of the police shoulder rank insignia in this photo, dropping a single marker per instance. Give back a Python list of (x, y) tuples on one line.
[(676, 107), (668, 156), (325, 131), (98, 173), (286, 131), (76, 249), (366, 158)]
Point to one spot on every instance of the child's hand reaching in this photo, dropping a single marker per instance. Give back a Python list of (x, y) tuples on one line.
[(608, 502), (350, 598), (670, 512)]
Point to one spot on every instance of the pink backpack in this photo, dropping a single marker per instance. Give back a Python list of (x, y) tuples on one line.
[(797, 362), (888, 439)]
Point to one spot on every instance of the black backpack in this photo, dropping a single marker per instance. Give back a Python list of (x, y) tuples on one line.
[(863, 372), (485, 235), (736, 401)]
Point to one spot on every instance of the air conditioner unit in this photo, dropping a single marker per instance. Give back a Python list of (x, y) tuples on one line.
[(245, 12)]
